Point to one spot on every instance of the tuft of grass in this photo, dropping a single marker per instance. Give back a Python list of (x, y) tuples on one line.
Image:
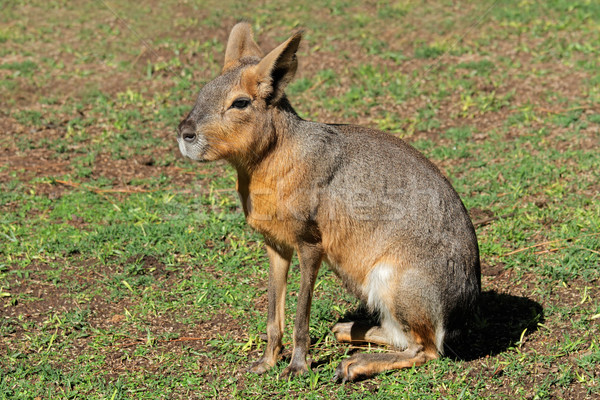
[(25, 68), (426, 51)]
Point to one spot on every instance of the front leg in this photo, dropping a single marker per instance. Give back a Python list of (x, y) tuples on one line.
[(310, 257), (279, 263)]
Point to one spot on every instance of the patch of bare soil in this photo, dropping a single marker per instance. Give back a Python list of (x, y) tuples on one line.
[(42, 298), (37, 163), (33, 162)]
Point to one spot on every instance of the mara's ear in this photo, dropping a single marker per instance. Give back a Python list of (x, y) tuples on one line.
[(277, 68), (240, 44)]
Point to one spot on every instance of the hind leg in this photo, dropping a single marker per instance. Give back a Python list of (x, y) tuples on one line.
[(363, 365), (410, 323), (380, 295)]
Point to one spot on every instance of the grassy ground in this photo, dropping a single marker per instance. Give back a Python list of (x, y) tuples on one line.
[(128, 272)]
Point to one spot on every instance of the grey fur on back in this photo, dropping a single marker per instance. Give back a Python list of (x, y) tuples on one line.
[(382, 188)]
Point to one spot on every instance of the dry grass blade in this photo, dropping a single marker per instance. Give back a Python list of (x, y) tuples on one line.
[(103, 191), (571, 239)]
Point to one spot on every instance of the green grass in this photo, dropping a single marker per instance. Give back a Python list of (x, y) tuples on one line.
[(129, 272)]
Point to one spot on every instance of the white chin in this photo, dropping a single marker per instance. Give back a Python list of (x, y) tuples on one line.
[(182, 148), (186, 153)]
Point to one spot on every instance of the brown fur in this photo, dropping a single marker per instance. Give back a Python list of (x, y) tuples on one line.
[(380, 214)]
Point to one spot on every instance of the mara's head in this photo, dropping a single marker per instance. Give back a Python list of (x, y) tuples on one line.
[(232, 117)]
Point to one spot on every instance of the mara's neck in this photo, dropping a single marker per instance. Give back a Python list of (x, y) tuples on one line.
[(275, 143)]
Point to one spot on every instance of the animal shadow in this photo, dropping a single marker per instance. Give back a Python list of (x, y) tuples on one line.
[(501, 322)]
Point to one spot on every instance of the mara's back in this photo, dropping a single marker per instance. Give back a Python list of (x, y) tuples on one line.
[(380, 200)]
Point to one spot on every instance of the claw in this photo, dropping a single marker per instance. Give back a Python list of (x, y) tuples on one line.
[(341, 373), (338, 376), (346, 371)]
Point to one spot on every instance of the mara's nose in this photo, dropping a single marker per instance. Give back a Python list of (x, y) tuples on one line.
[(187, 133)]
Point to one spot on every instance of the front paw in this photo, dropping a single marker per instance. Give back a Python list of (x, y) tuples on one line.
[(294, 370)]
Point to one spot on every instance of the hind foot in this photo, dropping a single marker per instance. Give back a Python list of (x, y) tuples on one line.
[(364, 365)]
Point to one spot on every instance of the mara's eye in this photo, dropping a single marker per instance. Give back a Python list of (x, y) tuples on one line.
[(240, 103)]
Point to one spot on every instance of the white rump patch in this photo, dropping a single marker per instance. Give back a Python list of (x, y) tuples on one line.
[(440, 334), (379, 291), (378, 285)]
